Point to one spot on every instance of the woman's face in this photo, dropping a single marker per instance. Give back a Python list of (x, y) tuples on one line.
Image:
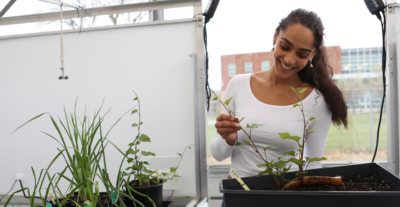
[(293, 50)]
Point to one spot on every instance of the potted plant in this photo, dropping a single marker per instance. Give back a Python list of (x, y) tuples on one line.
[(83, 159), (141, 183), (279, 186)]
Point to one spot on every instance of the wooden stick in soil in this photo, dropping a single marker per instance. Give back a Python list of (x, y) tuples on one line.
[(313, 180)]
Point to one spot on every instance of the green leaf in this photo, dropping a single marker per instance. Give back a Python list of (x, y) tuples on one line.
[(261, 165), (243, 143), (241, 119), (172, 169), (144, 153), (228, 101), (262, 173), (164, 174), (135, 98), (177, 176), (314, 159), (146, 179), (280, 164), (302, 90), (295, 105), (130, 160), (135, 125), (286, 169), (300, 173), (148, 171), (295, 161), (286, 135), (311, 131), (179, 154), (293, 89), (286, 180), (215, 98), (144, 138), (131, 151), (313, 118), (254, 126), (134, 111), (269, 147), (292, 153)]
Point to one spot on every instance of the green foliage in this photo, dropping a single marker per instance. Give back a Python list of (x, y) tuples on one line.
[(314, 159), (144, 138), (215, 98), (269, 147), (228, 101), (286, 135), (313, 118), (243, 143), (253, 126)]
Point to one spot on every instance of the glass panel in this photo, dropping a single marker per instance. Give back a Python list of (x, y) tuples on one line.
[(232, 69), (264, 65), (248, 67)]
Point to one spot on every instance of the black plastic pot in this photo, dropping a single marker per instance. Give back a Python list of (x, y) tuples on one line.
[(155, 192), (167, 203), (234, 197), (67, 204)]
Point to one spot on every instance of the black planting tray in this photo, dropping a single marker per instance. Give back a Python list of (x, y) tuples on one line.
[(234, 197)]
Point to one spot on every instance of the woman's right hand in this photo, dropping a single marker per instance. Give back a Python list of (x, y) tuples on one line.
[(227, 126)]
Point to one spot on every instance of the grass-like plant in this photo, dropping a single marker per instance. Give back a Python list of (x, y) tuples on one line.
[(83, 149), (277, 168)]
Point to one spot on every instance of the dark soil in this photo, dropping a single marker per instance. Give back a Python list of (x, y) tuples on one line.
[(353, 183)]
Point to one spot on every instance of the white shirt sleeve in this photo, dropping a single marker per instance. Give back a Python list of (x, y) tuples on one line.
[(315, 145), (221, 150)]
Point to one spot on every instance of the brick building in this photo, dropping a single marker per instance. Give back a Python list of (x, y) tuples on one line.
[(232, 65)]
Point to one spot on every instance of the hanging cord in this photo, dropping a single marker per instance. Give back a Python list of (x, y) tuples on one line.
[(8, 191), (383, 24), (170, 195), (22, 187), (62, 42), (207, 86)]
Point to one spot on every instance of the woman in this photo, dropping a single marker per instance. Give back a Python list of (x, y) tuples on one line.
[(266, 98)]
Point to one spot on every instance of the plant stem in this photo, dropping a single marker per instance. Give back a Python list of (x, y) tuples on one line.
[(136, 142)]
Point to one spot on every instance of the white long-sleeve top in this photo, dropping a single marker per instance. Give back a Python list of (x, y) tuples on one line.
[(275, 119)]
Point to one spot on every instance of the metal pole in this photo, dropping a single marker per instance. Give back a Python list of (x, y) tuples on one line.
[(392, 75), (7, 7)]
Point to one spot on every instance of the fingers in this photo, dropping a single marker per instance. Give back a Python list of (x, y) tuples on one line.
[(226, 117), (227, 124)]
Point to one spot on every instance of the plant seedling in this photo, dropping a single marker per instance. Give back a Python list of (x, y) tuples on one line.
[(277, 169)]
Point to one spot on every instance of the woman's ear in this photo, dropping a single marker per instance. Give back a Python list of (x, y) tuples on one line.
[(275, 36)]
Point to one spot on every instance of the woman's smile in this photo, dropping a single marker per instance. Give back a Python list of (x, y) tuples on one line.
[(285, 68)]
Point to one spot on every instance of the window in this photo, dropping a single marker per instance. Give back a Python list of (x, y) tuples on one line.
[(264, 65), (248, 67), (232, 69)]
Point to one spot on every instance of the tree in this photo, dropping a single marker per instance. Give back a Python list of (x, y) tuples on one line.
[(113, 19)]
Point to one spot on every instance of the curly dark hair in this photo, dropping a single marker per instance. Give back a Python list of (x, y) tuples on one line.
[(320, 75)]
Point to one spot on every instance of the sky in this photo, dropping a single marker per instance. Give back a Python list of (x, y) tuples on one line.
[(240, 26)]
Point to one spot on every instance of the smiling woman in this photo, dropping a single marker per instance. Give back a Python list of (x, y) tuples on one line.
[(266, 97)]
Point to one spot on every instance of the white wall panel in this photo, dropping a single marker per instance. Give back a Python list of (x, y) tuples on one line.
[(152, 60)]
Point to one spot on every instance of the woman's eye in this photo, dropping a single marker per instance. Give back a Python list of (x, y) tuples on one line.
[(303, 56), (284, 48)]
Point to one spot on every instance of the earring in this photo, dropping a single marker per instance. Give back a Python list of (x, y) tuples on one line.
[(311, 63), (273, 47)]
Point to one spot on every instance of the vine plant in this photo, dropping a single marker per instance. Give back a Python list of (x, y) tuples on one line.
[(143, 176), (278, 168)]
